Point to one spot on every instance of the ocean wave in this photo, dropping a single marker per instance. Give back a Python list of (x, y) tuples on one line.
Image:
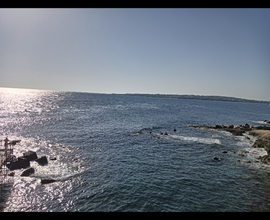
[(196, 139)]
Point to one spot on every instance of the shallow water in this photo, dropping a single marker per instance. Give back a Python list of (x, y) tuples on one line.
[(111, 155)]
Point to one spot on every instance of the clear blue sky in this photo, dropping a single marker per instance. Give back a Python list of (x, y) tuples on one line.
[(168, 51)]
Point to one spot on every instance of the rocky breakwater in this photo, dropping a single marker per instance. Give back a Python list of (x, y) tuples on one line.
[(261, 133)]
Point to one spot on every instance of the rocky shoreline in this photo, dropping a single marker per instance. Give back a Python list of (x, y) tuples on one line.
[(261, 133)]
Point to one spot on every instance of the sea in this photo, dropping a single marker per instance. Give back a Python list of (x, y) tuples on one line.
[(127, 153)]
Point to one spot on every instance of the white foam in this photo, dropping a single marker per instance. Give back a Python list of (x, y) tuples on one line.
[(260, 122), (196, 139)]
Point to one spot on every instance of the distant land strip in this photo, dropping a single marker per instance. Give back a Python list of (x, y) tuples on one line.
[(200, 97)]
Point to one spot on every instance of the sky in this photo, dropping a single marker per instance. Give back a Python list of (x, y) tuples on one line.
[(224, 52)]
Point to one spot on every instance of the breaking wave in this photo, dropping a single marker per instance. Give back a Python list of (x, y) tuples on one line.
[(196, 139)]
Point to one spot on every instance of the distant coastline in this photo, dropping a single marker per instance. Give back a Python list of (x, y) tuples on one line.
[(200, 97)]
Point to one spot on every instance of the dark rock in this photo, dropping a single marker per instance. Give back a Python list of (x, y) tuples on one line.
[(46, 181), (52, 158), (224, 151), (247, 161), (30, 155), (247, 125), (266, 159), (11, 174), (166, 133), (260, 143), (231, 126), (262, 128), (11, 158), (22, 163), (235, 131), (216, 158), (14, 142), (28, 172), (42, 160), (218, 126), (21, 158), (174, 129)]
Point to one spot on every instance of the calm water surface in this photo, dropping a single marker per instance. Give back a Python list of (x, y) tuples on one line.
[(111, 156)]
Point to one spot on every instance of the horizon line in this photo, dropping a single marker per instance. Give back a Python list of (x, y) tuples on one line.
[(138, 93)]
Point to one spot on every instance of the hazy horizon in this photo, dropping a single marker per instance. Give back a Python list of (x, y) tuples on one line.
[(132, 93)]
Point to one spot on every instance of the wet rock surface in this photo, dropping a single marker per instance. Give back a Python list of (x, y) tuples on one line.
[(28, 172), (47, 181), (42, 160), (216, 158), (18, 164), (30, 155)]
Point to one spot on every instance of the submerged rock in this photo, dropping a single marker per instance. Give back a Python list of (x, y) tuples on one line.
[(52, 158), (216, 159)]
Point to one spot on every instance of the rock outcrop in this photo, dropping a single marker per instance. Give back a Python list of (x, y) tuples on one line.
[(237, 131), (30, 155), (18, 164), (42, 160)]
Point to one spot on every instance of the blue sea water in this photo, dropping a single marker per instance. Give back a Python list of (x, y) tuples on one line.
[(111, 156)]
